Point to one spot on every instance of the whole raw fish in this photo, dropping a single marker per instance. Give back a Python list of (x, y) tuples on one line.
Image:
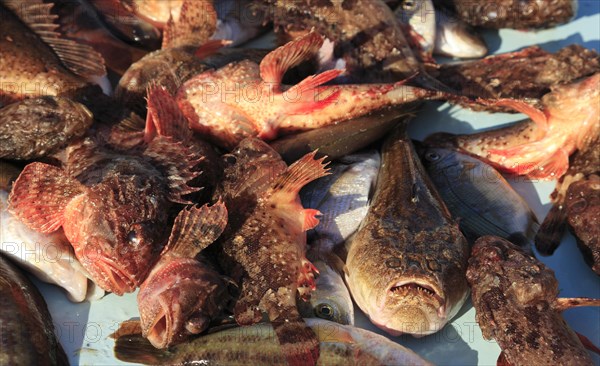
[(406, 264), (583, 163), (35, 60), (479, 197), (515, 14), (265, 241), (181, 293), (567, 122), (583, 213), (527, 74), (515, 298), (340, 345), (37, 127), (112, 204), (27, 330), (245, 99)]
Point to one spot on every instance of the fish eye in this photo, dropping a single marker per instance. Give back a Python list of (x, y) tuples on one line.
[(324, 311), (579, 206), (432, 156), (230, 159), (409, 4), (133, 238)]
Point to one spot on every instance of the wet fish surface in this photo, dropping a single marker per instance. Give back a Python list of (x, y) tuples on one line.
[(515, 298), (406, 264), (27, 330), (340, 345), (479, 197), (38, 127)]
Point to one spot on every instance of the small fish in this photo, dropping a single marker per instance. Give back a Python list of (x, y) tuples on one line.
[(113, 204), (568, 121), (455, 38), (266, 238), (340, 345), (38, 127), (27, 330), (582, 164), (515, 14), (479, 197), (35, 60), (527, 74), (420, 18), (182, 294), (49, 257), (406, 263), (583, 213), (245, 99), (515, 298)]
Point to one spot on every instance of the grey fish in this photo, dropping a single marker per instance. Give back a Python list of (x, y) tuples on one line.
[(421, 17), (454, 38), (406, 264), (27, 330), (479, 197), (38, 127), (257, 344)]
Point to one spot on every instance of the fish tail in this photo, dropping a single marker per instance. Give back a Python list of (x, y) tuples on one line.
[(551, 231), (196, 228), (299, 344), (135, 348)]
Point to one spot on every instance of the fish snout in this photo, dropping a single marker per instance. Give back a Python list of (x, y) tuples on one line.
[(111, 277)]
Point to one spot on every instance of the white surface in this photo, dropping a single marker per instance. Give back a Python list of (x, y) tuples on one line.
[(84, 328)]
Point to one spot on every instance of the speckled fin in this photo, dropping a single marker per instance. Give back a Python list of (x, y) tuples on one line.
[(81, 59), (280, 60), (536, 115), (40, 195), (164, 117), (195, 228), (548, 237), (197, 22), (178, 162), (297, 175)]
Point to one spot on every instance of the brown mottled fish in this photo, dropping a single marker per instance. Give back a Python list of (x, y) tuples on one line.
[(266, 239), (183, 293), (406, 263), (27, 330), (515, 298), (245, 99), (38, 127), (35, 60)]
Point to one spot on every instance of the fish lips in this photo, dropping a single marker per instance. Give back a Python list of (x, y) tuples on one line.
[(112, 277)]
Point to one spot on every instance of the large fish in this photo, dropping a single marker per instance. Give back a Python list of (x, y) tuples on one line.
[(479, 197), (35, 60), (567, 122), (340, 346), (515, 14), (112, 204), (527, 74), (245, 99), (38, 127), (406, 264), (265, 238), (343, 198), (515, 298), (27, 330)]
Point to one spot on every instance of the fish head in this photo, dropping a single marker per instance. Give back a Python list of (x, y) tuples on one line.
[(116, 244), (178, 299)]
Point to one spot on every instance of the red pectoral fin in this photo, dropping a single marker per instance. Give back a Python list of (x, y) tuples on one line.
[(164, 116), (298, 175), (538, 116), (310, 218), (553, 168), (588, 344), (211, 47), (40, 195), (280, 60), (502, 361)]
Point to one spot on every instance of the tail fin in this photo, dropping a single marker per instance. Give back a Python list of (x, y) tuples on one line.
[(135, 348)]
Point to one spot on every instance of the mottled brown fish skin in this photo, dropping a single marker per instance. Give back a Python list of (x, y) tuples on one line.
[(406, 264), (28, 67), (8, 174), (26, 329), (37, 127), (514, 296), (517, 14), (583, 213)]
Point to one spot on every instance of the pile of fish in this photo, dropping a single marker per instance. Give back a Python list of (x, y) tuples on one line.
[(247, 191)]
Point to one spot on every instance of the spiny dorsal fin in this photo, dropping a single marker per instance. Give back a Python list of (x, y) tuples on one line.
[(81, 59), (195, 228), (280, 60), (302, 172), (196, 23), (164, 116)]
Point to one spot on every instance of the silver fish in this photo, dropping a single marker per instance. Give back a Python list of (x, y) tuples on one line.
[(479, 197), (421, 16), (454, 38)]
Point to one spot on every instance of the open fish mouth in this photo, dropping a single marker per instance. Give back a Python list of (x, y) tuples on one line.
[(419, 288), (115, 279)]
